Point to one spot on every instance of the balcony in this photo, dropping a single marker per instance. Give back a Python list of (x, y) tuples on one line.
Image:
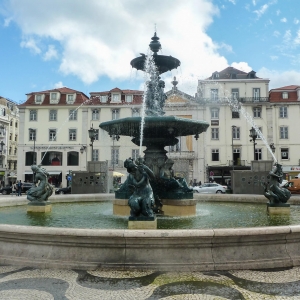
[(241, 99), (182, 155), (238, 162), (117, 164)]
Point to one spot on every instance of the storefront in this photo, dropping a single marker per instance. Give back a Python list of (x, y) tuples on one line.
[(291, 172)]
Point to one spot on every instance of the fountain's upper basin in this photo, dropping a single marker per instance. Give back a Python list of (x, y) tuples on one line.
[(160, 126), (163, 63)]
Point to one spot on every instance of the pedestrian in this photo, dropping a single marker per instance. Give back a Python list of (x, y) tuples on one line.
[(14, 189), (19, 186), (200, 183)]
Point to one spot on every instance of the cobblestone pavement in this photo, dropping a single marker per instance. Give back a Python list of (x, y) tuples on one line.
[(35, 284)]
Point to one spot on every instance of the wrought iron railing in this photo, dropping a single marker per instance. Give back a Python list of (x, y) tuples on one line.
[(241, 99)]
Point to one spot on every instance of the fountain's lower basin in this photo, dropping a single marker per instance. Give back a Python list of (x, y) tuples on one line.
[(164, 249)]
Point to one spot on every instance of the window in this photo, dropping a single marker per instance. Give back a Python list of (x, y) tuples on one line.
[(257, 112), (52, 158), (215, 133), (135, 154), (284, 132), (235, 94), (52, 134), (29, 158), (256, 94), (258, 136), (214, 112), (283, 112), (10, 136), (53, 115), (214, 94), (176, 147), (235, 115), (128, 98), (32, 135), (114, 157), (16, 138), (38, 98), (16, 124), (215, 154), (284, 153), (33, 115), (236, 133), (103, 99), (95, 114), (72, 158), (15, 151), (72, 134), (53, 96), (115, 98), (115, 114), (11, 122), (9, 151), (285, 95), (96, 134), (70, 99), (258, 154), (95, 154), (135, 112), (73, 115)]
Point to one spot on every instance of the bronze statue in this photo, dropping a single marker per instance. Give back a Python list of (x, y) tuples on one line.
[(273, 191), (41, 189), (141, 201)]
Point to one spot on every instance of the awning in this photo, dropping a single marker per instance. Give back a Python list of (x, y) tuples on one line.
[(28, 172), (2, 172), (54, 172), (117, 174)]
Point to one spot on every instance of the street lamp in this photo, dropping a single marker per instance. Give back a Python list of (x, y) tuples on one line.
[(92, 136), (32, 131), (114, 137), (233, 127), (253, 136)]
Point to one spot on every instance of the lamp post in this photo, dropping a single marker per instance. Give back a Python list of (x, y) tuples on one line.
[(92, 136), (1, 150), (32, 131), (114, 137), (233, 127), (253, 136)]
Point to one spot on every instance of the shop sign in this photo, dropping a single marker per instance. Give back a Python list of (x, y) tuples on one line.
[(214, 123), (291, 168)]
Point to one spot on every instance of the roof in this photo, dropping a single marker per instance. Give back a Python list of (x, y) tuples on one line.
[(232, 73), (80, 97), (287, 88), (114, 90)]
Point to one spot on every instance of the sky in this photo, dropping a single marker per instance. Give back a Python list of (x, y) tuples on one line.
[(88, 45)]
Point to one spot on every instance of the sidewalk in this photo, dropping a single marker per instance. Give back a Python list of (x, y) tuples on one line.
[(36, 284)]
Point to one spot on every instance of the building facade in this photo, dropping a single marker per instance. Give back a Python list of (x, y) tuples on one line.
[(53, 132)]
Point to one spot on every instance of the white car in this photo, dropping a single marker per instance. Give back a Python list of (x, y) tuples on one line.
[(210, 188)]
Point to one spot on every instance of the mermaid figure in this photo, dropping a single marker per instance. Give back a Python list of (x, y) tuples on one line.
[(41, 189)]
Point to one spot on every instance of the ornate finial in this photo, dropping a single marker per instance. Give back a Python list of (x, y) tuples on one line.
[(174, 82), (155, 45)]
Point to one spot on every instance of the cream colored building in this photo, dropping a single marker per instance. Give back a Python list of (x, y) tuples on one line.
[(53, 132)]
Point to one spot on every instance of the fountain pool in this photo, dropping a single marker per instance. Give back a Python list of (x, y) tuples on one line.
[(99, 215), (161, 249)]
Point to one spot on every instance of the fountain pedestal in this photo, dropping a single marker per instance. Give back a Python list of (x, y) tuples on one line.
[(39, 207), (278, 209), (121, 208), (142, 223), (179, 208)]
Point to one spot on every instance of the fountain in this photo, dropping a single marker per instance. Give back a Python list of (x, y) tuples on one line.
[(155, 131), (177, 249)]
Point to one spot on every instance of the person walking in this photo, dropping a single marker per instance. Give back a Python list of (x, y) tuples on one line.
[(19, 186), (14, 189)]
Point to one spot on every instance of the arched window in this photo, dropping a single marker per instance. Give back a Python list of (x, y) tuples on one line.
[(73, 158), (29, 158), (52, 158)]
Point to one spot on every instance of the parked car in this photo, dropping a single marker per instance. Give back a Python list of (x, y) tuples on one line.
[(293, 185), (65, 190), (210, 188), (7, 189)]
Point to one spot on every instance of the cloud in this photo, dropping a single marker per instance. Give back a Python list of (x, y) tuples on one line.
[(242, 66), (99, 38), (283, 20), (7, 21), (279, 79), (276, 33), (274, 57), (278, 12), (58, 85), (261, 11), (51, 53), (254, 2), (30, 43), (297, 38), (232, 1), (296, 21)]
